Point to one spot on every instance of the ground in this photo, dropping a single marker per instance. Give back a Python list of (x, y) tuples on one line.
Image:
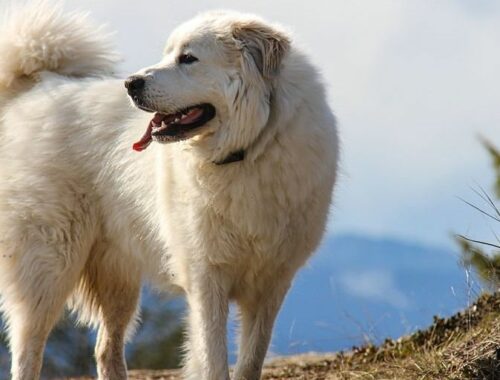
[(464, 346)]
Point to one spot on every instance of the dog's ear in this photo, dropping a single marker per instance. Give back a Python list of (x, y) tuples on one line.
[(266, 45)]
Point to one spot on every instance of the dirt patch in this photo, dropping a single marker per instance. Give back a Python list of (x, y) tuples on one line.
[(464, 346)]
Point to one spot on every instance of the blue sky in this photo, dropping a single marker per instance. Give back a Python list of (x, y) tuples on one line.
[(413, 83)]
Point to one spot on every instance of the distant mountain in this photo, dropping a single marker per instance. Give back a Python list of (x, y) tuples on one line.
[(354, 289), (358, 288)]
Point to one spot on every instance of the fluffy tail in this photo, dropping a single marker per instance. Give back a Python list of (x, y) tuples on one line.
[(40, 37)]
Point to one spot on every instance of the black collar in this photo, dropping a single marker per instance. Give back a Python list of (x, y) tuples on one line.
[(232, 157)]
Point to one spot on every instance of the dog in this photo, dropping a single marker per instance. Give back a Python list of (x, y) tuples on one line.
[(225, 198)]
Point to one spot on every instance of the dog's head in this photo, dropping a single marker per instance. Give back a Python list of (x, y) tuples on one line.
[(214, 82)]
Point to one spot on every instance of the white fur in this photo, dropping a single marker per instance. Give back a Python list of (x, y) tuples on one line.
[(84, 219)]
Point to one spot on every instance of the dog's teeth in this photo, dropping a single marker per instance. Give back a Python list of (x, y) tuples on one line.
[(183, 116), (177, 120)]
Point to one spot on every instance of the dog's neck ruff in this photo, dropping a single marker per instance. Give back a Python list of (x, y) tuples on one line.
[(239, 155), (232, 157)]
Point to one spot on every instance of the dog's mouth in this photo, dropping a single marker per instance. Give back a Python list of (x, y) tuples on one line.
[(176, 126)]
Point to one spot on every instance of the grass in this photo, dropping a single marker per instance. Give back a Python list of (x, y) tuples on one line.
[(464, 346)]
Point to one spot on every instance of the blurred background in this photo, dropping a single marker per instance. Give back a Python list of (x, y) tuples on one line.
[(415, 86)]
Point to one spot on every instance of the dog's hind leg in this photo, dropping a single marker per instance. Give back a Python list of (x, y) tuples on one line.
[(119, 306), (109, 292), (257, 315), (37, 277)]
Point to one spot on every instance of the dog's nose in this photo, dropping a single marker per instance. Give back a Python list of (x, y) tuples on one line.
[(134, 84)]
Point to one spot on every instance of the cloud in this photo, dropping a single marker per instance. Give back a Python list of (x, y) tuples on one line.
[(375, 286)]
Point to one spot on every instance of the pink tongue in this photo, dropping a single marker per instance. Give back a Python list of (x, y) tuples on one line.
[(145, 140), (192, 116), (158, 118)]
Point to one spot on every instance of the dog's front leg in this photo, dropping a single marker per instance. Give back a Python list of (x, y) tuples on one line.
[(258, 312), (208, 303)]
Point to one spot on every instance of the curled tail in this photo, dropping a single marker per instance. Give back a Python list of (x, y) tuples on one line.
[(40, 37)]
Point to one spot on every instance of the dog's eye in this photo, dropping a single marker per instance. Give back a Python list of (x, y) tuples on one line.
[(187, 59)]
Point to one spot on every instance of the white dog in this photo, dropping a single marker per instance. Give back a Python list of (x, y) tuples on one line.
[(226, 204)]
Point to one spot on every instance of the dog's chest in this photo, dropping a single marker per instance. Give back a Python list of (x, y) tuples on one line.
[(226, 213)]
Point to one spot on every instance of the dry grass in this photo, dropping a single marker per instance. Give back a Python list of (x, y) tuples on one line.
[(464, 346)]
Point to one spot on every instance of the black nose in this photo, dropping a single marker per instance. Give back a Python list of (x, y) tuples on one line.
[(134, 84)]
